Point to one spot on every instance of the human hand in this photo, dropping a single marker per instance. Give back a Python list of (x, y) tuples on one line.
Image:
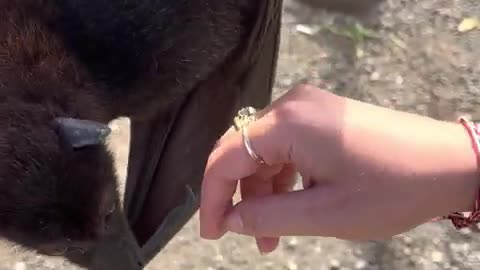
[(368, 172)]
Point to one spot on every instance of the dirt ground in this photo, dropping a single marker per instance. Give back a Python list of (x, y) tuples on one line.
[(416, 62)]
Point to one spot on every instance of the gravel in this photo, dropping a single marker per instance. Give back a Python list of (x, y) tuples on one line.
[(418, 63)]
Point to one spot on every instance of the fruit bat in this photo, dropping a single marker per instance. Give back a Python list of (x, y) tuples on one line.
[(67, 68)]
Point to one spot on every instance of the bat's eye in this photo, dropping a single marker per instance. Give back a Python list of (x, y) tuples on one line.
[(108, 216)]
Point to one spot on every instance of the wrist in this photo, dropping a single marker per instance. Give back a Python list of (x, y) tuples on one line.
[(461, 178), (431, 161)]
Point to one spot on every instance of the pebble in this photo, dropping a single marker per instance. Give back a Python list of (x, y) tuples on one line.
[(334, 263), (407, 240), (292, 265), (407, 251), (399, 80), (306, 29), (218, 258), (437, 256), (293, 241), (375, 76), (291, 244), (360, 264), (459, 247), (286, 81), (20, 266)]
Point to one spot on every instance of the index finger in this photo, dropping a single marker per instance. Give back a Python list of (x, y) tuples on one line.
[(230, 162)]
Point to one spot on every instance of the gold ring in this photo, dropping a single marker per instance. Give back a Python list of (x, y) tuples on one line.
[(246, 116)]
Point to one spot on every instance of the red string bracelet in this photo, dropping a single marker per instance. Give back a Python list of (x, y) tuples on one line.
[(460, 220)]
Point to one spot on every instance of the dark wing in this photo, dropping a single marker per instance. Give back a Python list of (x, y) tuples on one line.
[(168, 154)]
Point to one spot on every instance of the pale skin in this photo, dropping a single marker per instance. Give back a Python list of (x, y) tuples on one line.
[(369, 172)]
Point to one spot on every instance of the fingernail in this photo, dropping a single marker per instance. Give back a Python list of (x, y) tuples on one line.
[(234, 223)]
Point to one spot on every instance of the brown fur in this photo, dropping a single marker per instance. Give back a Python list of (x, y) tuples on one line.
[(94, 60)]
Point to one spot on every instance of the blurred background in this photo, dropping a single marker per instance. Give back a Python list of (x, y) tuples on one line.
[(420, 56)]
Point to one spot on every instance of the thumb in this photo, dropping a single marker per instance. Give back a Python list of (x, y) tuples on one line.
[(293, 213)]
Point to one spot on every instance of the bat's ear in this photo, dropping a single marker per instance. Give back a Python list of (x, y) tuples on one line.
[(78, 133)]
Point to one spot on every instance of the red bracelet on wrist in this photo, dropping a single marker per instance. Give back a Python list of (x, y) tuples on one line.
[(464, 220)]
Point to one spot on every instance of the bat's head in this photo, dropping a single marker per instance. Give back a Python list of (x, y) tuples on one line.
[(57, 181)]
